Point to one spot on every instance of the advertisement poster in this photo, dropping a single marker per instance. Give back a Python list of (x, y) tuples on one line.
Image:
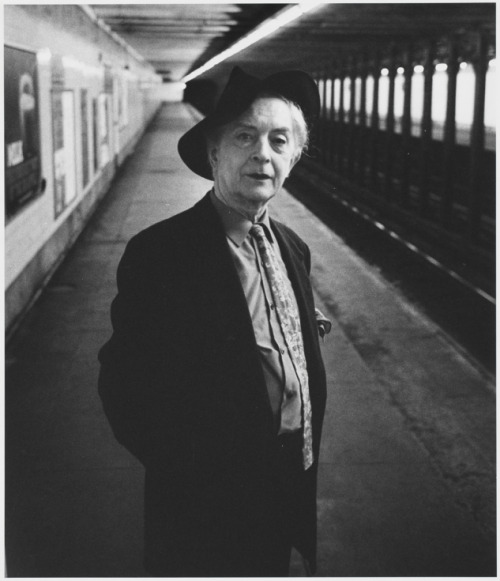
[(58, 143), (95, 134), (116, 113), (63, 135), (22, 147), (85, 136), (123, 101), (104, 153)]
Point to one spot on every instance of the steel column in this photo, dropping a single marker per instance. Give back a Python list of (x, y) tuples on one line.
[(375, 122), (324, 127), (477, 137), (351, 152), (333, 117), (362, 124), (407, 128), (389, 129), (450, 133), (341, 123), (426, 136)]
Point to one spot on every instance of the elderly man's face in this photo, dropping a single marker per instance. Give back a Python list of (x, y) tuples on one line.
[(254, 155)]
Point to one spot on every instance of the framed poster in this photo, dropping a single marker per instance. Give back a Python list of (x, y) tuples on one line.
[(22, 130), (63, 135), (103, 123), (124, 101), (84, 118), (95, 134)]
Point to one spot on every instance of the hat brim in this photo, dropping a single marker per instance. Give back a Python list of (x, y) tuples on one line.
[(239, 93), (192, 148)]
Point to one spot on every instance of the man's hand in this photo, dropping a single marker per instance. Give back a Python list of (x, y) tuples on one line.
[(324, 324)]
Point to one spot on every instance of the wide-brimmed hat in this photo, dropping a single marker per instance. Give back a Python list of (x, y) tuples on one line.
[(238, 94)]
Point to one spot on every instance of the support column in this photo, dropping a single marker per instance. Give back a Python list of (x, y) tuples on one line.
[(341, 123), (375, 127), (426, 136), (477, 137), (407, 129), (450, 134), (362, 124), (351, 151), (389, 129)]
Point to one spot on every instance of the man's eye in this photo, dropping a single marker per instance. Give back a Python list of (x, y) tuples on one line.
[(244, 137), (280, 141)]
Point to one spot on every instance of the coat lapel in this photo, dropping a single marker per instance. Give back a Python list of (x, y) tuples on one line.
[(231, 348), (222, 294), (295, 263), (223, 307), (299, 277)]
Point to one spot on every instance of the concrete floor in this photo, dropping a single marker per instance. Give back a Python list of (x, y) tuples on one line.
[(407, 475)]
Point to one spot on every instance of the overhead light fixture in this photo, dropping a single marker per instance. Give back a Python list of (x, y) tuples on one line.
[(264, 29)]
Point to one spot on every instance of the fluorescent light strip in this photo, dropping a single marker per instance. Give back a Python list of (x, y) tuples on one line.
[(266, 28)]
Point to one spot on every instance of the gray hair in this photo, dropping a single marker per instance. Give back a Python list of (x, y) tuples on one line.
[(300, 127)]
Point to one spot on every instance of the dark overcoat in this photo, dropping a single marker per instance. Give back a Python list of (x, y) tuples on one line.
[(183, 388)]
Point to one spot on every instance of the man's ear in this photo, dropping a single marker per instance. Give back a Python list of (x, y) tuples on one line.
[(212, 157), (295, 160)]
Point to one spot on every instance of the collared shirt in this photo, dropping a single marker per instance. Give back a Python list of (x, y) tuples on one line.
[(281, 378)]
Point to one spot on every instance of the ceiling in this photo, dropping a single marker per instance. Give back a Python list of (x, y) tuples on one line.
[(178, 38)]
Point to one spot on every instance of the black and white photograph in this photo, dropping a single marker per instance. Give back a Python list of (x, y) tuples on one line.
[(250, 290)]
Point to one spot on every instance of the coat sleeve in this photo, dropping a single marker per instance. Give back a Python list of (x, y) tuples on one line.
[(130, 361)]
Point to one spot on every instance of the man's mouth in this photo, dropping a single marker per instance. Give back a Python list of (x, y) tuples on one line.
[(259, 176)]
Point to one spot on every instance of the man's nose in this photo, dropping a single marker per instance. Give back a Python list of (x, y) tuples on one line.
[(261, 151)]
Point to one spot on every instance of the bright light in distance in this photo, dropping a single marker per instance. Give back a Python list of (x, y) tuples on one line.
[(493, 63), (401, 70), (419, 69), (269, 26), (43, 56), (71, 62), (441, 67), (384, 72), (464, 65)]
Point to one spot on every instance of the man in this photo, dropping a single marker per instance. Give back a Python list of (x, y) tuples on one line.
[(213, 377)]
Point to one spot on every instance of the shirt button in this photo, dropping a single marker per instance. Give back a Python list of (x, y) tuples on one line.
[(272, 307), (282, 351)]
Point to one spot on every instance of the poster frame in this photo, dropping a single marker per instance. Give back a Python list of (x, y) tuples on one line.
[(60, 208), (12, 208)]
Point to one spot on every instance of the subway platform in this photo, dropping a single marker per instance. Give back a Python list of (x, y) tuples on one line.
[(407, 477)]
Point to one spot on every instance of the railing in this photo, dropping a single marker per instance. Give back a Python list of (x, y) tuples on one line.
[(394, 130)]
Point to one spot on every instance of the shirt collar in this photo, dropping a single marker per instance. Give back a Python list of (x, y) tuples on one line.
[(235, 225)]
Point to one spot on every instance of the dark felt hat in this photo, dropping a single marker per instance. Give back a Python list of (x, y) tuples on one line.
[(238, 94)]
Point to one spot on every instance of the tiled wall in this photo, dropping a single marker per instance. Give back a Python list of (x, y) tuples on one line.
[(67, 31)]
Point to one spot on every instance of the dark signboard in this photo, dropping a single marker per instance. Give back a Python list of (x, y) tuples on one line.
[(22, 146)]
